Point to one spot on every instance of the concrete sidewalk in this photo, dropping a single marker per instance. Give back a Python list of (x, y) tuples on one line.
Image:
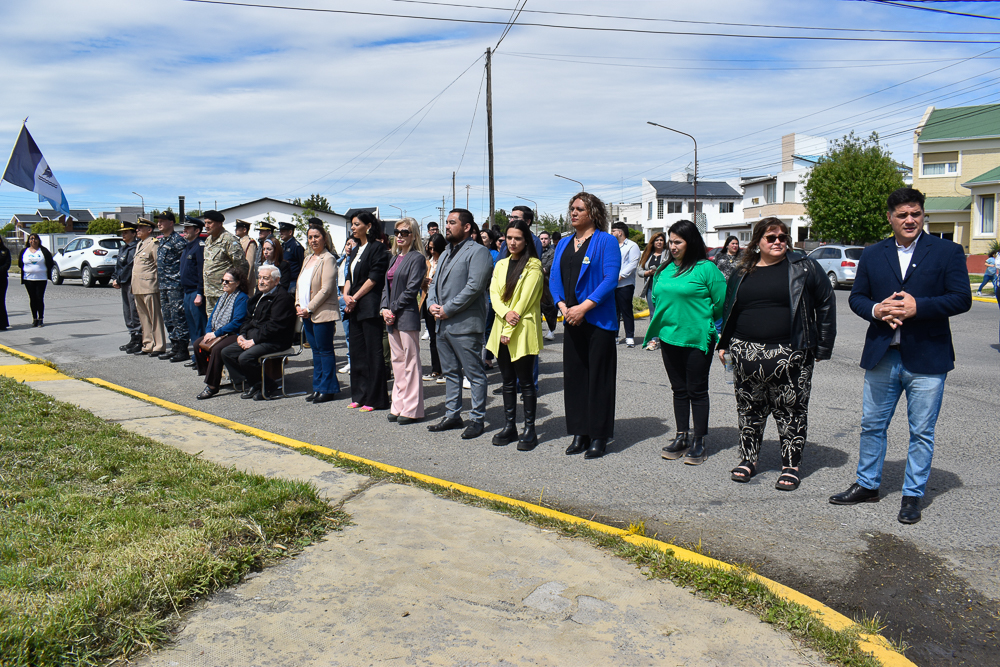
[(418, 579)]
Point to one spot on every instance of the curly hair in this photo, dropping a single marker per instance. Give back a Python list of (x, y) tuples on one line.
[(595, 209)]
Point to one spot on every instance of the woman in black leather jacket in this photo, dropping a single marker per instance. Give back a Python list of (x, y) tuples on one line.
[(780, 318)]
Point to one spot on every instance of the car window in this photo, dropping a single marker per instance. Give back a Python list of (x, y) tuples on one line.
[(113, 244), (835, 253), (854, 253), (71, 246), (816, 254), (86, 243)]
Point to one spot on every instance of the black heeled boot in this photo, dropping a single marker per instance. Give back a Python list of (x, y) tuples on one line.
[(530, 400), (676, 449), (180, 353), (134, 345), (509, 432), (697, 454), (579, 445)]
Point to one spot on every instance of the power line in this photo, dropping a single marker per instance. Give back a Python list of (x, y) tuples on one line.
[(891, 3), (723, 69), (475, 112), (511, 22)]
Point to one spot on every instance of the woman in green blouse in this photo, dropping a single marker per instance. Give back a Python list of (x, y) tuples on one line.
[(689, 292)]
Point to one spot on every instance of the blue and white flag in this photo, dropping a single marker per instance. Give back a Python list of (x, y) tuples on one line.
[(28, 169)]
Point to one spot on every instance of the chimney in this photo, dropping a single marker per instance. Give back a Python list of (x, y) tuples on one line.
[(787, 150)]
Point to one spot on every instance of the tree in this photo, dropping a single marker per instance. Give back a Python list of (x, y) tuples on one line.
[(7, 229), (315, 203), (550, 223), (48, 227), (103, 226), (846, 192), (500, 219)]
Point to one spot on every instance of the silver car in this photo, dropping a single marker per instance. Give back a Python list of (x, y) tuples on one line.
[(839, 262), (90, 258)]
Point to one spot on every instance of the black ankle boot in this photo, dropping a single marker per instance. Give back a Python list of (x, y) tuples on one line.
[(676, 449), (134, 345), (697, 454), (180, 353), (579, 445), (509, 432), (528, 438)]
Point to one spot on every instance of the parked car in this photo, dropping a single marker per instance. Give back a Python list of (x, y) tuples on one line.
[(840, 262), (90, 258)]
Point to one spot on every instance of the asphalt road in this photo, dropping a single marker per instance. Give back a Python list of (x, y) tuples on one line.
[(935, 584)]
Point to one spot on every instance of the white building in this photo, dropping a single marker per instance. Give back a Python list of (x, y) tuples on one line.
[(283, 211), (666, 202), (630, 214)]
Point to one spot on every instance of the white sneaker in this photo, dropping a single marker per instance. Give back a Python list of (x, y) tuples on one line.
[(440, 380), (465, 383), (548, 335), (426, 336), (978, 293), (630, 342), (346, 368)]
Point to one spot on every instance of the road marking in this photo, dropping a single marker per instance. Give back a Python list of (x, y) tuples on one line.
[(32, 373)]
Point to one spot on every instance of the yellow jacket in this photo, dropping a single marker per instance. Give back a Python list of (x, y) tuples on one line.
[(526, 337)]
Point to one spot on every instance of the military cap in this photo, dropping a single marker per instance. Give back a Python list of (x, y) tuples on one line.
[(244, 224), (143, 222), (286, 226), (315, 221), (167, 215), (214, 216), (264, 224), (191, 221), (128, 226)]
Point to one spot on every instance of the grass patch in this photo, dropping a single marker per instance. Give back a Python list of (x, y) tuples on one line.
[(105, 536)]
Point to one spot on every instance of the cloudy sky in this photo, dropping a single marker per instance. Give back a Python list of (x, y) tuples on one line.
[(223, 102)]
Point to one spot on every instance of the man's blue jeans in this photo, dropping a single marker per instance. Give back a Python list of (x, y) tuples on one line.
[(884, 385), (196, 318)]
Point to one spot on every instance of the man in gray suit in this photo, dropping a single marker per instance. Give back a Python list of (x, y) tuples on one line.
[(457, 300)]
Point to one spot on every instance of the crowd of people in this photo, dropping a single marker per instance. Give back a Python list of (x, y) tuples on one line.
[(766, 312)]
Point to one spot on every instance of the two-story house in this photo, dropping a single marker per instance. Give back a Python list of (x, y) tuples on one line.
[(719, 204)]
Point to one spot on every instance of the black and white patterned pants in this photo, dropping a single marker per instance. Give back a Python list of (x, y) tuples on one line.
[(772, 379)]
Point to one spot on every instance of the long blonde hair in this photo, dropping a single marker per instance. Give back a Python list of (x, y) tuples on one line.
[(414, 228)]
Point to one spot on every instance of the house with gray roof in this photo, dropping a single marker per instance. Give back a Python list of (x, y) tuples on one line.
[(719, 204)]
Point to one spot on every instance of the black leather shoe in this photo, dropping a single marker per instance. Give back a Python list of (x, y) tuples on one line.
[(391, 417), (190, 364), (579, 445), (259, 396), (854, 495), (250, 391), (474, 430), (140, 352), (403, 421), (207, 392), (597, 448), (324, 398), (446, 424), (909, 510), (310, 396), (697, 453), (678, 447)]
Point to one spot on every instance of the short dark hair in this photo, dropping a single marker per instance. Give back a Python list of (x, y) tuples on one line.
[(622, 226), (905, 196), (433, 224), (529, 215), (436, 243), (556, 236), (465, 217)]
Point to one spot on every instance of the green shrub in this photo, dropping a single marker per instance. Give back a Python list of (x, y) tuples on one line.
[(48, 227), (103, 226)]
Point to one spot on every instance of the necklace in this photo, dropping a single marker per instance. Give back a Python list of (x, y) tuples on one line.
[(580, 241)]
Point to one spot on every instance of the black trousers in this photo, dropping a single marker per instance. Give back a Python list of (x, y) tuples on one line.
[(623, 302), (432, 331), (244, 365), (210, 363), (549, 310), (512, 372), (687, 368), (36, 297), (369, 379), (590, 370), (4, 323)]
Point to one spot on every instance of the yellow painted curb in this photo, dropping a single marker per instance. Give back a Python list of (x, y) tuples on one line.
[(984, 299), (875, 644), (32, 373), (18, 353)]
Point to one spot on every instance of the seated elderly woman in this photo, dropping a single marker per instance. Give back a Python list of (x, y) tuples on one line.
[(269, 328), (223, 326)]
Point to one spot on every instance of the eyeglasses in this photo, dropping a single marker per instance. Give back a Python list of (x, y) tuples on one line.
[(403, 232), (771, 238), (227, 282)]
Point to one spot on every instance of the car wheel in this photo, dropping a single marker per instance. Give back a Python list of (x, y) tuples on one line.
[(55, 276), (87, 275), (833, 280)]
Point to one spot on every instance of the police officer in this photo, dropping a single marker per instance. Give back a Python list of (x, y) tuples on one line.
[(293, 251), (122, 279), (192, 281), (265, 231), (168, 267), (146, 289), (249, 248), (222, 253)]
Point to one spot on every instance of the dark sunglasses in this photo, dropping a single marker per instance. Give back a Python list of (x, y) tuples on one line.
[(771, 238), (227, 282), (402, 232)]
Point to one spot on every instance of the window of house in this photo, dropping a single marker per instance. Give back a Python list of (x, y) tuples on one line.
[(725, 207), (649, 212), (755, 201), (659, 209), (789, 192), (769, 192), (692, 209), (940, 164), (744, 237), (674, 207), (987, 209)]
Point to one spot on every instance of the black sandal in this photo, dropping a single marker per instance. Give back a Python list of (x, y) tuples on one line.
[(739, 473), (791, 480)]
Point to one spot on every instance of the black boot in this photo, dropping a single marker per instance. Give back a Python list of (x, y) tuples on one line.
[(134, 345), (509, 432), (697, 454), (676, 449), (530, 400), (168, 353), (181, 353)]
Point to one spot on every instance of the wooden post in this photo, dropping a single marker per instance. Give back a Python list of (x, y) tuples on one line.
[(489, 128)]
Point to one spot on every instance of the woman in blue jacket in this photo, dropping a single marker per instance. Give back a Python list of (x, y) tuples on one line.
[(222, 330), (583, 279)]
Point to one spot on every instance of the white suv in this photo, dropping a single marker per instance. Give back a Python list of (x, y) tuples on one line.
[(91, 258)]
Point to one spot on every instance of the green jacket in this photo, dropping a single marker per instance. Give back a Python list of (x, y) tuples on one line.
[(687, 306)]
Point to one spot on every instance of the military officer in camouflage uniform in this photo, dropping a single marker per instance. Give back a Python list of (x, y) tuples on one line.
[(168, 271), (265, 231), (122, 279), (293, 252), (222, 253)]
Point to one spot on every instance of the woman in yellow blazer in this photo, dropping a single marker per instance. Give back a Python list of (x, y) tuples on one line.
[(516, 338), (317, 301)]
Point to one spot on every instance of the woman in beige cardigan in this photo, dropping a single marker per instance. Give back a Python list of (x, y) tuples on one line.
[(317, 303)]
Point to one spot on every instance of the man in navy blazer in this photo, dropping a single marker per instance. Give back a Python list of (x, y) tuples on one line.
[(906, 287)]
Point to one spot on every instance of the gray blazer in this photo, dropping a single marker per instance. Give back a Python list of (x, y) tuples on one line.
[(403, 298), (460, 285)]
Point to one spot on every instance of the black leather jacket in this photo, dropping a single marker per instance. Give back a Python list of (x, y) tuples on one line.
[(814, 307)]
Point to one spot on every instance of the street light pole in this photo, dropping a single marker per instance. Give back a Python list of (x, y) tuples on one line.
[(398, 209), (582, 189), (695, 206), (143, 202), (532, 201)]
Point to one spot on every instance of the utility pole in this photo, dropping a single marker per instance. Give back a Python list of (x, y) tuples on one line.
[(443, 209), (467, 196), (489, 127), (180, 209), (453, 204)]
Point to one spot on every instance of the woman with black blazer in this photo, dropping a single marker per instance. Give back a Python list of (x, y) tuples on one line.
[(4, 268), (401, 314), (362, 297)]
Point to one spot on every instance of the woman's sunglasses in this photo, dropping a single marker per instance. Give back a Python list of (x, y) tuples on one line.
[(771, 238), (403, 232)]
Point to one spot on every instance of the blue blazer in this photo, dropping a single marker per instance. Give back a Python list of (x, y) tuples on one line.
[(598, 278), (937, 279), (239, 315)]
